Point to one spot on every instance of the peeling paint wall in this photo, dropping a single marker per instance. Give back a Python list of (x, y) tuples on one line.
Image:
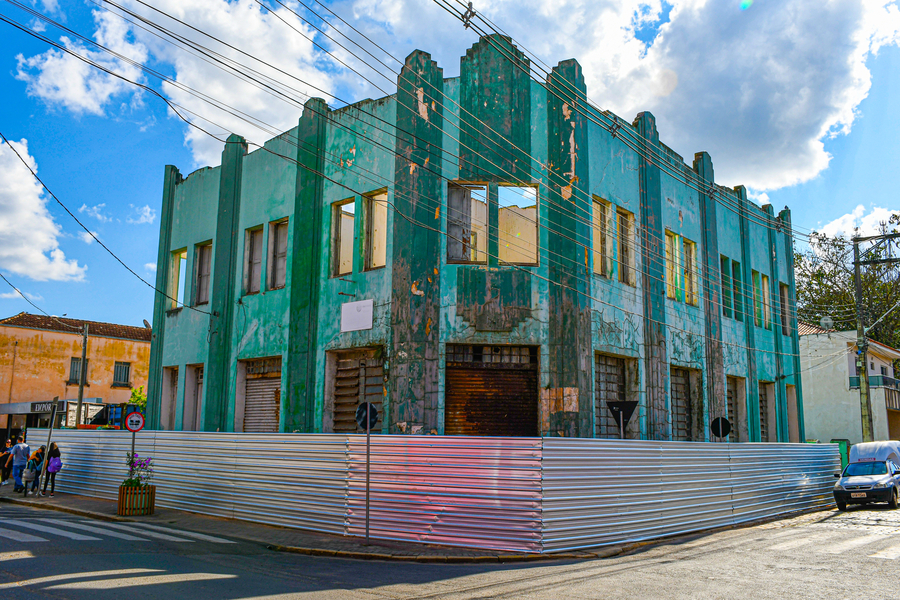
[(492, 126)]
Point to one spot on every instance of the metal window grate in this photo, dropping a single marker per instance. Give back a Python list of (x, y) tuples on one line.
[(521, 355), (681, 405), (610, 384), (730, 394), (122, 373), (763, 412)]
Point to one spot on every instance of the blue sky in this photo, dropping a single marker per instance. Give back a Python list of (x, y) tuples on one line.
[(802, 127)]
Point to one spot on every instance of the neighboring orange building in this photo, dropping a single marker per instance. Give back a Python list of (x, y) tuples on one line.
[(40, 358)]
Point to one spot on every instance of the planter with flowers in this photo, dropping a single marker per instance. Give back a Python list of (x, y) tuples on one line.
[(136, 495)]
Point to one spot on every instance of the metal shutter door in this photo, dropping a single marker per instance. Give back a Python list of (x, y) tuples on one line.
[(681, 405), (732, 410), (262, 405), (610, 383), (763, 412), (357, 380), (491, 401)]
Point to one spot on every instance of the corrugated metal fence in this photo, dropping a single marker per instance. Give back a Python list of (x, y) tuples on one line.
[(518, 494)]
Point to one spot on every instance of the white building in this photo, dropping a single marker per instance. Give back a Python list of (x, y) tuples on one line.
[(831, 406)]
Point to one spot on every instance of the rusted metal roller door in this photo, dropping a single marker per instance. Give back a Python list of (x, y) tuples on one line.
[(491, 390), (357, 380), (681, 405)]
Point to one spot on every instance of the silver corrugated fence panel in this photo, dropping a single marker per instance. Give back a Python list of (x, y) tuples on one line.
[(280, 479), (517, 494), (598, 492), (480, 492)]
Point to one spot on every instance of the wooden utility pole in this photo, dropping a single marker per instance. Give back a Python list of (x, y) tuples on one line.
[(862, 362)]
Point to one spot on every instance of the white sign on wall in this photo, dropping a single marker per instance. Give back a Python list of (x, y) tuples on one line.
[(356, 316)]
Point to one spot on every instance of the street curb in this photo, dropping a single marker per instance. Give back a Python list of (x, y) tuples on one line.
[(72, 511), (449, 559)]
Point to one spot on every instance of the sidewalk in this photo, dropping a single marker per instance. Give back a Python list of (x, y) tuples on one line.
[(291, 540)]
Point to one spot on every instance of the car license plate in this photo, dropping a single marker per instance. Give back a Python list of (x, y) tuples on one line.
[(857, 494)]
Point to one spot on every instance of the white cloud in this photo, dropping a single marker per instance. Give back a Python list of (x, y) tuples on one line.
[(29, 243), (868, 223), (95, 211), (150, 267), (63, 80), (86, 237), (142, 214), (15, 296), (760, 89)]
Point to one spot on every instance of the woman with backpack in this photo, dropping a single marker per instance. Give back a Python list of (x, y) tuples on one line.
[(32, 473), (54, 465)]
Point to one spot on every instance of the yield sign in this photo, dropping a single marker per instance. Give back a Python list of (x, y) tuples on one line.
[(622, 410)]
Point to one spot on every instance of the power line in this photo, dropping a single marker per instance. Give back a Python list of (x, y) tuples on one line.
[(38, 308)]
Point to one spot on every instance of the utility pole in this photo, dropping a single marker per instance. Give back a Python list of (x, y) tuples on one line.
[(862, 361), (881, 245), (84, 338)]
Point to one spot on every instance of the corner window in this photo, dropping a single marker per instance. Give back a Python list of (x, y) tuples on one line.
[(278, 244), (122, 374), (343, 219), (601, 237), (518, 227), (736, 279), (203, 259), (376, 230), (467, 224), (725, 272), (177, 272), (253, 252), (691, 295), (671, 262), (625, 235), (785, 294)]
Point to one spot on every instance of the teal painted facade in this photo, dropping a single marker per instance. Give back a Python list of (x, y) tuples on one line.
[(492, 127)]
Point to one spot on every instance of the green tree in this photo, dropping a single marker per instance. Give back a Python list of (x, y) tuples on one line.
[(826, 287), (139, 398)]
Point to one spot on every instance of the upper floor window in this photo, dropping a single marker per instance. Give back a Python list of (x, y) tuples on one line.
[(467, 212), (762, 308), (785, 294), (376, 208), (766, 303), (278, 244), (203, 259), (343, 222), (691, 295), (625, 239), (601, 236), (518, 225), (725, 273), (736, 279), (177, 273), (75, 369), (122, 374), (253, 252), (671, 264)]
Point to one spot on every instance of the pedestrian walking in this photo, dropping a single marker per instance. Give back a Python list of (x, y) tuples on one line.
[(33, 469), (6, 460), (54, 465), (20, 453)]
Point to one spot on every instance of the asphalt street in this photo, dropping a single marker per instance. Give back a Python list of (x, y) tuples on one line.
[(46, 554)]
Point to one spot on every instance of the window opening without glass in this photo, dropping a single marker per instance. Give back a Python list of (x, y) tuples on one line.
[(691, 295), (376, 230), (736, 280), (204, 257), (601, 236), (671, 259), (766, 303), (517, 226), (343, 222), (253, 265), (177, 274), (278, 242), (725, 271), (625, 234), (467, 223), (785, 309)]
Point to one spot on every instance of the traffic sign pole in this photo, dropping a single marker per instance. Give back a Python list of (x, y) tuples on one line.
[(368, 438), (134, 422)]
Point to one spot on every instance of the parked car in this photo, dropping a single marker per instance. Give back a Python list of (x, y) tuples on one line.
[(868, 481)]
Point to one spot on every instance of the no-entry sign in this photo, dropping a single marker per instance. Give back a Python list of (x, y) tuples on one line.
[(134, 422)]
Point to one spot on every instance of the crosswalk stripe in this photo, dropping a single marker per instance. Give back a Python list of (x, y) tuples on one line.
[(19, 536), (803, 541), (52, 530), (153, 534), (891, 553), (850, 544), (101, 531), (199, 536)]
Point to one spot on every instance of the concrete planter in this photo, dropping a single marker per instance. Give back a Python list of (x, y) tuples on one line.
[(135, 501)]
